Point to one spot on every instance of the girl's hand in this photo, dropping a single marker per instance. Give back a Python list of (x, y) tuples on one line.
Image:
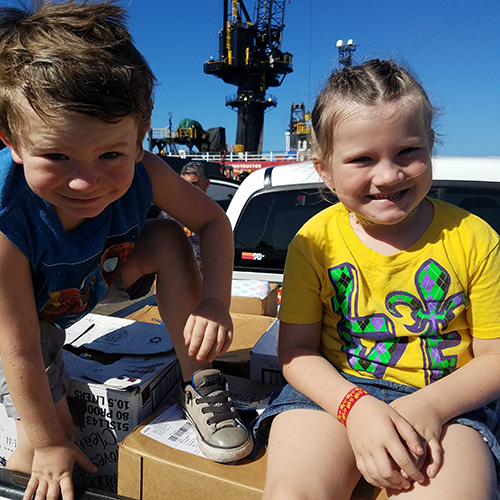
[(52, 471), (385, 445), (209, 330), (422, 413)]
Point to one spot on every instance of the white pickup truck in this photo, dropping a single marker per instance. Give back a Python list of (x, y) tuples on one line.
[(272, 204)]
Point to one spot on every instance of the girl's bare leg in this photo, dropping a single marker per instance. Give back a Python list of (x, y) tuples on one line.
[(309, 457), (468, 470)]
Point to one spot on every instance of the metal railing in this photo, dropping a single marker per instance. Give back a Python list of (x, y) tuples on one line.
[(242, 156)]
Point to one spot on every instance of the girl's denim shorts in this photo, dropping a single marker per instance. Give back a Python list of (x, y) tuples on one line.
[(485, 420)]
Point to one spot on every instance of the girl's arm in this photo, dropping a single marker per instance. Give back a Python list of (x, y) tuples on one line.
[(468, 388), (375, 430), (197, 211), (22, 362)]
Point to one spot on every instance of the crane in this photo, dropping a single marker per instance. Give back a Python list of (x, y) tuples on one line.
[(250, 57)]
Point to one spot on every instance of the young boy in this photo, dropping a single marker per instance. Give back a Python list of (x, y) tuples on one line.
[(75, 188)]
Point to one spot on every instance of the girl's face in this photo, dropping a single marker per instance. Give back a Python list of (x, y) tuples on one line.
[(380, 167)]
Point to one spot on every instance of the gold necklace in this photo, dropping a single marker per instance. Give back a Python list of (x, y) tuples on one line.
[(367, 222)]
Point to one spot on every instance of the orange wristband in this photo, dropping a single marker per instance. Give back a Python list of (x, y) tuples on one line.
[(350, 399)]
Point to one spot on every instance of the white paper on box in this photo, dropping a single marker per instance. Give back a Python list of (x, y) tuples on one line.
[(264, 362), (250, 288), (268, 343), (173, 429), (118, 335)]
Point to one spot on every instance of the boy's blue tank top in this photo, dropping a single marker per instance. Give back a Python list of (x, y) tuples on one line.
[(71, 270)]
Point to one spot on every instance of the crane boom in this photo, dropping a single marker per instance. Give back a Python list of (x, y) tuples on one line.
[(270, 22), (250, 57)]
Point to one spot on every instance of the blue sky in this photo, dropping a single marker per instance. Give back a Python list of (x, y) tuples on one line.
[(452, 45)]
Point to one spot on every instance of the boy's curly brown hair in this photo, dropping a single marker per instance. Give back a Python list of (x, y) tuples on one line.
[(71, 57)]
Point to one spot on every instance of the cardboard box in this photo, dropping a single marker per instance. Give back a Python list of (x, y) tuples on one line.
[(267, 306), (107, 399), (255, 305), (248, 329), (8, 436), (264, 363), (147, 314), (149, 469), (103, 416)]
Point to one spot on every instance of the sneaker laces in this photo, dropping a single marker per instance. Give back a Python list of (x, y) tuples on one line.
[(220, 405)]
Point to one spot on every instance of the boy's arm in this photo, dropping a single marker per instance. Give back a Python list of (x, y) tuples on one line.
[(24, 370), (193, 208)]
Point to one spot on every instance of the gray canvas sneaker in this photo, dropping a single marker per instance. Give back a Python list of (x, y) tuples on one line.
[(208, 405)]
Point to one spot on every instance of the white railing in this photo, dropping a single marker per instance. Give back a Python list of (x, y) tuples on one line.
[(232, 156)]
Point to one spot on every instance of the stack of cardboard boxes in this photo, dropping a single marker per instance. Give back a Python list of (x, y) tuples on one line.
[(118, 380), (149, 469), (122, 397)]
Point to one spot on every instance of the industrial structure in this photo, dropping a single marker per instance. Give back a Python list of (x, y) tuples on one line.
[(189, 133), (299, 132), (250, 57), (345, 51)]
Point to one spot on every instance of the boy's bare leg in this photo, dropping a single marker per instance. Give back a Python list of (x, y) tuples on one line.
[(467, 473), (21, 459), (164, 249), (309, 456)]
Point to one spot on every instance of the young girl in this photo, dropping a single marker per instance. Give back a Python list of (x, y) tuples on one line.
[(389, 338)]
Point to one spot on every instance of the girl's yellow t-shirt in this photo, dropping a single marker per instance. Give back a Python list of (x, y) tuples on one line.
[(407, 317)]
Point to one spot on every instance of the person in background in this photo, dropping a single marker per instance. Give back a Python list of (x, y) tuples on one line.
[(195, 173)]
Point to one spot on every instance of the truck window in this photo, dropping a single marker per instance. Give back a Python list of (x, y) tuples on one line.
[(271, 218), (270, 221), (481, 200)]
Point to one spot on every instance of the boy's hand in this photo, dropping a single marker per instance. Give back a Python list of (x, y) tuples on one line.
[(422, 413), (209, 330), (52, 471), (385, 445)]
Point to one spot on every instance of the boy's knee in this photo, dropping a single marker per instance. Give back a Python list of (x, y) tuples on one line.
[(165, 235), (171, 239), (164, 246)]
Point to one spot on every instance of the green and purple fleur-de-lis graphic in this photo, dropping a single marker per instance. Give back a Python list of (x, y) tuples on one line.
[(431, 314), (352, 327)]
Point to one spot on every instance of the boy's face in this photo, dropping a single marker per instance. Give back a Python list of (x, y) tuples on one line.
[(78, 164)]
